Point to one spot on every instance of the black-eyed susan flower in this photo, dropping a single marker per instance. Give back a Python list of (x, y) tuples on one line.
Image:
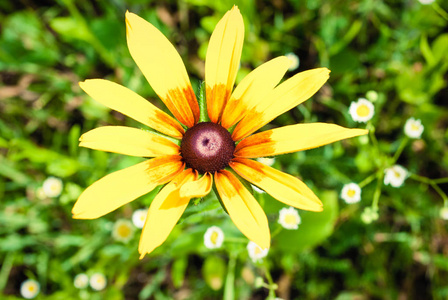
[(210, 152)]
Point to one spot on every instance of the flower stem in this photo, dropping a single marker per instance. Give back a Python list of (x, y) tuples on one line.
[(272, 286), (400, 149), (367, 180), (433, 184), (377, 194), (229, 293)]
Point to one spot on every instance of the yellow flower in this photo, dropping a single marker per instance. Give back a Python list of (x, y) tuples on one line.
[(207, 149)]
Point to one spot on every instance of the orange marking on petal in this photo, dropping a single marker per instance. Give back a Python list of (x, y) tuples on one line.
[(217, 97)]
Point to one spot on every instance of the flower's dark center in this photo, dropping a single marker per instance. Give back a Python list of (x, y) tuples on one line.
[(207, 147)]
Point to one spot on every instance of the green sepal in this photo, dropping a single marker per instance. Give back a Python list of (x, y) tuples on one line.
[(174, 140), (202, 101)]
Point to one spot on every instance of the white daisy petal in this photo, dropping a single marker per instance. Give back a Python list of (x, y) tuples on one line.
[(289, 218), (81, 281), (255, 251), (29, 289), (123, 230), (294, 61), (444, 213), (98, 281), (351, 193), (395, 176), (52, 187), (213, 237), (361, 110), (139, 217), (413, 128)]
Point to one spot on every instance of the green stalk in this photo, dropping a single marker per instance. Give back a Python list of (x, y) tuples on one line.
[(229, 292)]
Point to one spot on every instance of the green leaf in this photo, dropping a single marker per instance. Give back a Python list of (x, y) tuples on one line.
[(213, 271), (314, 229)]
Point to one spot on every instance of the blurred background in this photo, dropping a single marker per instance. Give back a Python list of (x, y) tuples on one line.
[(393, 244)]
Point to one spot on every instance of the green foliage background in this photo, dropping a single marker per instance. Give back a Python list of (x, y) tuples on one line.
[(396, 48)]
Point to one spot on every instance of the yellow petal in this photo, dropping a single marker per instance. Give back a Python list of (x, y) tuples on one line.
[(164, 212), (283, 187), (121, 187), (243, 209), (293, 138), (198, 188), (287, 95), (127, 102), (251, 90), (222, 61), (128, 141), (163, 68)]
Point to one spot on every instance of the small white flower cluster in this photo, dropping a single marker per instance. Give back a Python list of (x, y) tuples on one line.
[(351, 193), (29, 289), (289, 218), (213, 237), (369, 215), (413, 128), (361, 110), (97, 281), (395, 176), (255, 252)]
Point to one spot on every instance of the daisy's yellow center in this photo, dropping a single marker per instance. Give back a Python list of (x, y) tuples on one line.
[(397, 174), (290, 219), (124, 231), (257, 250), (207, 147), (214, 237), (31, 288), (415, 127), (351, 193), (363, 110)]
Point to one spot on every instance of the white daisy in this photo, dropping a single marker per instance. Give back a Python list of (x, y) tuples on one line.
[(351, 193), (269, 161), (289, 218), (255, 252), (139, 217), (361, 110), (413, 128), (294, 61), (123, 230), (52, 187), (395, 176), (444, 213), (81, 281), (29, 288), (213, 237), (98, 281), (426, 2)]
